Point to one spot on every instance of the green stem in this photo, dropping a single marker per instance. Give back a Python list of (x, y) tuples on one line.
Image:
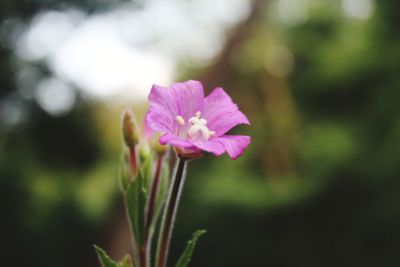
[(135, 246), (143, 256), (150, 209), (168, 219)]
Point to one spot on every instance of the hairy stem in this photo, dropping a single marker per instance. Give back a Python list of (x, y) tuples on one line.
[(135, 246), (150, 209), (171, 206), (143, 256)]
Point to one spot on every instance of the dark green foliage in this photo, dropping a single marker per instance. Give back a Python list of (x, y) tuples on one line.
[(67, 142)]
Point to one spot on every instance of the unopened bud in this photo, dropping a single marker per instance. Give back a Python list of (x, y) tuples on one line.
[(158, 148), (144, 151), (129, 129), (146, 162), (125, 170)]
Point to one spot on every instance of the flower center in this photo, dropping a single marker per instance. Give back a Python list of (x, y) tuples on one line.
[(197, 129)]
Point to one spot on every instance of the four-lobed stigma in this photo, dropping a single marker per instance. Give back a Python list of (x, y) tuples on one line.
[(197, 127)]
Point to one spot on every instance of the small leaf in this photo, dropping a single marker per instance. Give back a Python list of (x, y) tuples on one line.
[(187, 253), (125, 262), (135, 203), (104, 259)]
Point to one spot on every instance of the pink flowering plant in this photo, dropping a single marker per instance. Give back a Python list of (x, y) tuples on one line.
[(182, 117)]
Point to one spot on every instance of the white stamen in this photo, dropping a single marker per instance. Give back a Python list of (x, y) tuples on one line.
[(212, 133), (180, 120), (198, 114)]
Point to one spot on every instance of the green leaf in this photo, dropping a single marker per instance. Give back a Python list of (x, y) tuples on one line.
[(125, 262), (187, 253), (104, 259), (135, 202)]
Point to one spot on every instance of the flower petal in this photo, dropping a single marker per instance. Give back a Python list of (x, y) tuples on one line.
[(234, 145), (166, 103), (162, 111), (175, 141), (221, 113), (148, 132), (189, 97), (212, 146)]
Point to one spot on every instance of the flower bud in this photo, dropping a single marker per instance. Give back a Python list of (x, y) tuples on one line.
[(125, 170), (129, 129), (159, 148), (144, 151), (146, 162)]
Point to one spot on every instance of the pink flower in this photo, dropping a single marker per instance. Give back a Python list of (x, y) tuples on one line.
[(193, 123)]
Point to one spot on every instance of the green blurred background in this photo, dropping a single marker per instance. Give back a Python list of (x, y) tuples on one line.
[(319, 80)]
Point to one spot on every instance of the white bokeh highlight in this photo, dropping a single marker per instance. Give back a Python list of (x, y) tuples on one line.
[(358, 9), (55, 96), (125, 50)]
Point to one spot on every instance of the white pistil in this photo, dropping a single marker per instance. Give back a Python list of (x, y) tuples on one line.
[(180, 120), (198, 128), (194, 120), (194, 129)]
